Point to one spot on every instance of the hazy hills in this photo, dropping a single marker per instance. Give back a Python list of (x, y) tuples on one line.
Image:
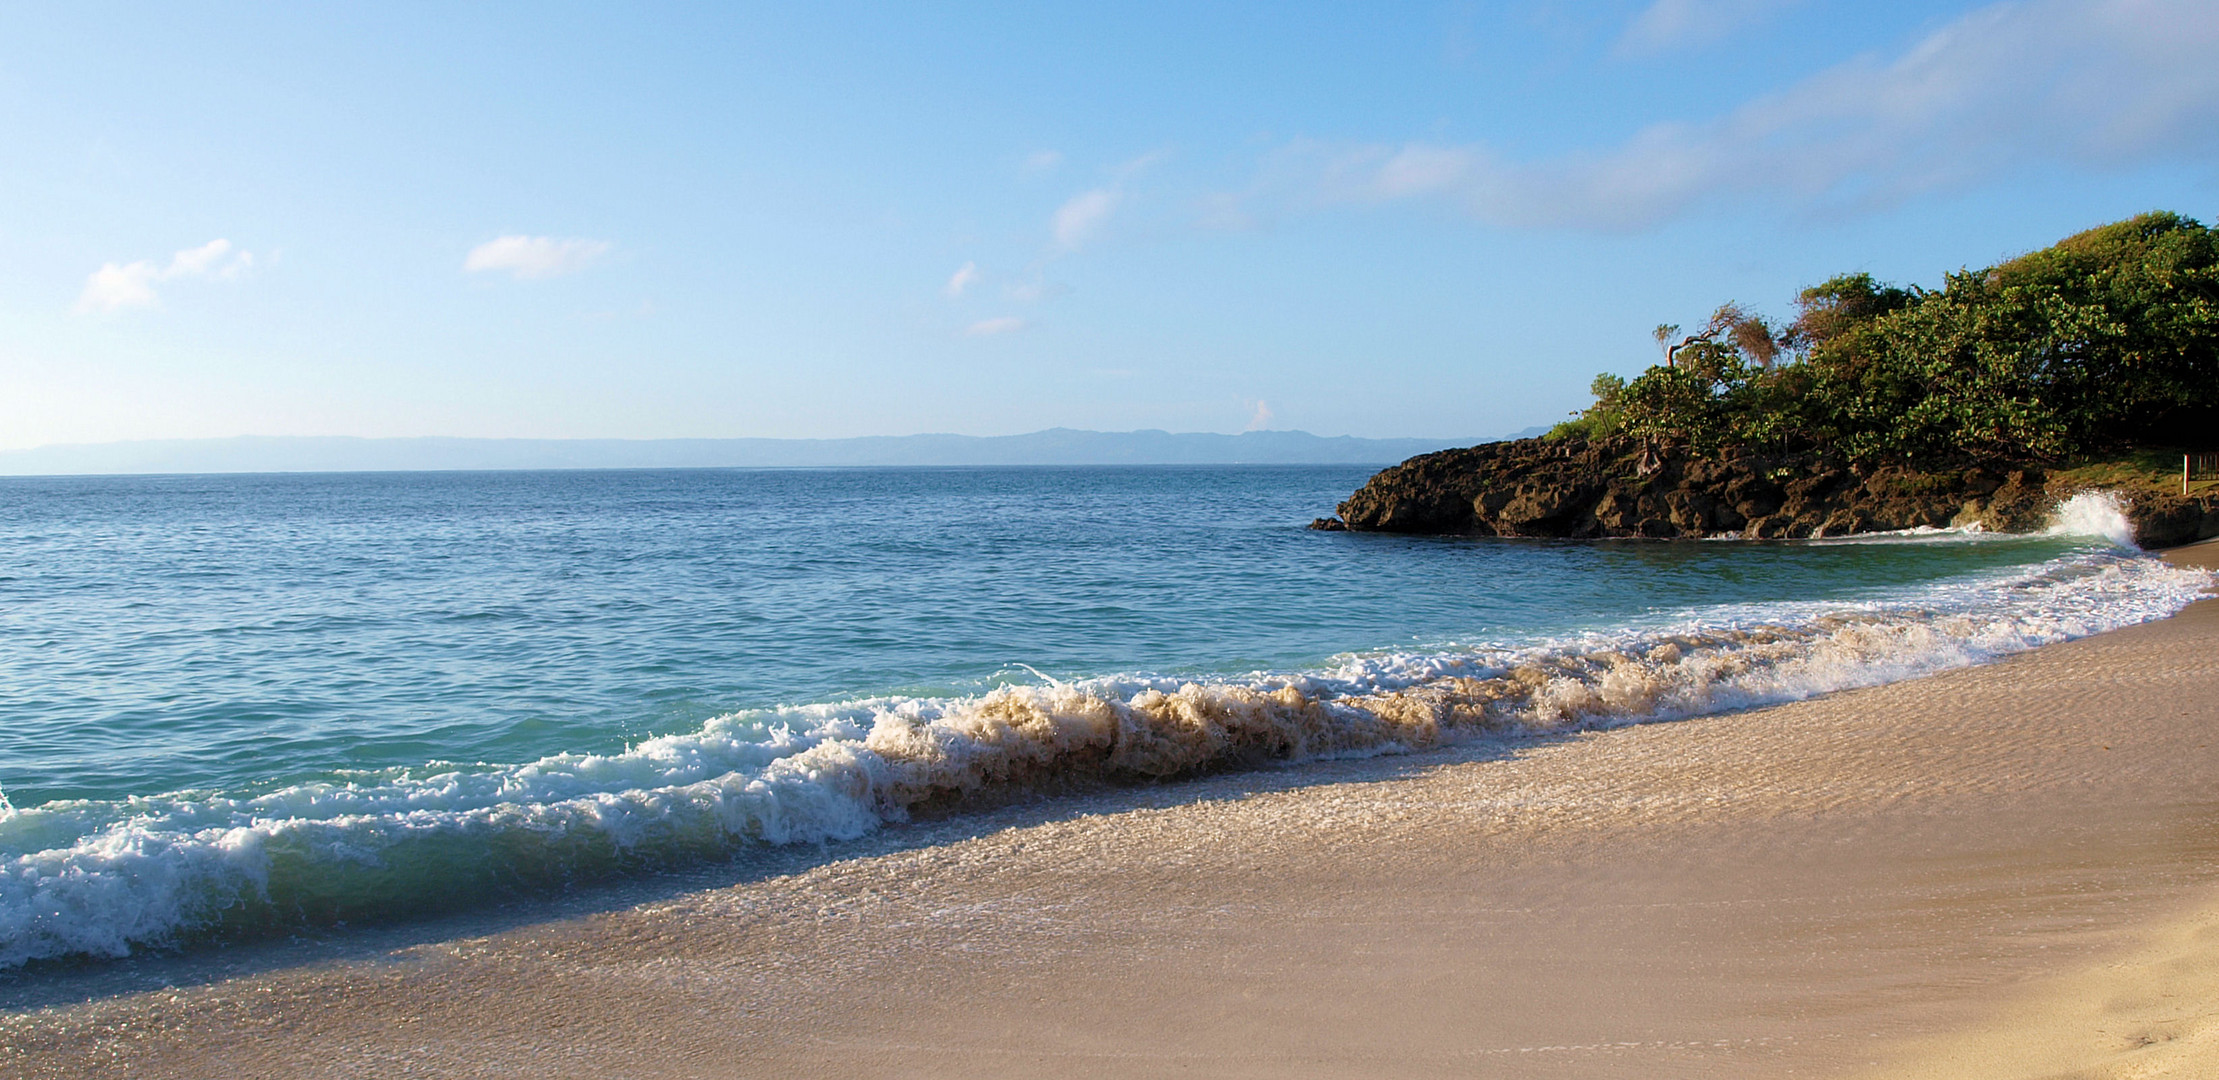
[(1056, 446)]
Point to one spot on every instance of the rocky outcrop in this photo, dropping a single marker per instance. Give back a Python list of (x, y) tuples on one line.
[(2167, 520), (1622, 488)]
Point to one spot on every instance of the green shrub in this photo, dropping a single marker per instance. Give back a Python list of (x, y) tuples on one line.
[(2108, 339)]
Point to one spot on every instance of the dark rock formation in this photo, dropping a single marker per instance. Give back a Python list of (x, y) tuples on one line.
[(2166, 520), (1623, 488)]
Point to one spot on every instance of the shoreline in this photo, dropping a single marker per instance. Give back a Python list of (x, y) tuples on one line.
[(1874, 879)]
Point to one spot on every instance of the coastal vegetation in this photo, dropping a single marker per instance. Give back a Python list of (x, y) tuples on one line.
[(2105, 341)]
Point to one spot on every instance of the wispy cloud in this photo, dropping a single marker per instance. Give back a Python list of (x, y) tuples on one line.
[(116, 286), (1034, 291), (535, 256), (1041, 162), (961, 281), (1261, 418), (1677, 24), (212, 259), (1006, 324), (2096, 83), (1082, 218)]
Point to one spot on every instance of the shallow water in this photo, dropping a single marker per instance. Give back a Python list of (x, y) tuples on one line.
[(237, 702)]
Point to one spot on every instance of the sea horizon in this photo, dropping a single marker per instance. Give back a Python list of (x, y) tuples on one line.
[(1049, 446)]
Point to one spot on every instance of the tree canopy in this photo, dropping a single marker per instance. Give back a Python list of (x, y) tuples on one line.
[(2108, 339)]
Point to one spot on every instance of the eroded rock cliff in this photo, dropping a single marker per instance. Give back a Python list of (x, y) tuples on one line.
[(1620, 487)]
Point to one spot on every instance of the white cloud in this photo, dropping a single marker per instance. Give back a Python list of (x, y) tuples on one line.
[(1080, 219), (959, 282), (1677, 24), (1040, 162), (1261, 419), (1126, 170), (116, 286), (535, 256), (120, 285), (198, 260), (1421, 170), (208, 260), (2094, 83), (1006, 324)]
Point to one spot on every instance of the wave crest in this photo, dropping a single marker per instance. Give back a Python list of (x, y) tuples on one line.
[(100, 878), (2094, 513)]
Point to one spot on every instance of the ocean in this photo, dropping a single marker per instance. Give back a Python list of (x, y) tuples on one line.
[(235, 705)]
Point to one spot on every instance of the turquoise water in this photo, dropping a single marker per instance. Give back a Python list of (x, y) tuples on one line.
[(238, 702)]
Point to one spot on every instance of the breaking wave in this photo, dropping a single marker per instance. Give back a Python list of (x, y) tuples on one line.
[(100, 878), (2094, 513)]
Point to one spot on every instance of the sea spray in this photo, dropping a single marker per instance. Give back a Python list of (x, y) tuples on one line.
[(2094, 513), (95, 877)]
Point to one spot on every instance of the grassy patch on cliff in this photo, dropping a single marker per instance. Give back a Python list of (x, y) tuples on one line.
[(2153, 471)]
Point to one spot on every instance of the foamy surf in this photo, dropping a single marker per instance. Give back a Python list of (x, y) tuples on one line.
[(2097, 514), (100, 878)]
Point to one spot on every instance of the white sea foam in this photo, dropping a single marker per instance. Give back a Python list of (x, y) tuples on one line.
[(2094, 513), (1917, 534), (101, 878)]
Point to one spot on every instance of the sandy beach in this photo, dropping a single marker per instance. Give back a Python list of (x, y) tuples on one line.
[(2002, 871)]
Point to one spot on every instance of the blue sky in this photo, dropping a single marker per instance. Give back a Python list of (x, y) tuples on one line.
[(844, 219)]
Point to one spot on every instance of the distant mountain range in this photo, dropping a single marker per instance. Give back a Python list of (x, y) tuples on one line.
[(1055, 446)]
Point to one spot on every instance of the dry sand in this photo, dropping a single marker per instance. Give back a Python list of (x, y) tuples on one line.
[(2005, 871)]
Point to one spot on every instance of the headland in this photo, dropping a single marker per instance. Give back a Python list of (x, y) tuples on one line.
[(1879, 407)]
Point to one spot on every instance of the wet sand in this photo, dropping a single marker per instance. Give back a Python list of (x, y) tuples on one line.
[(2004, 871)]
